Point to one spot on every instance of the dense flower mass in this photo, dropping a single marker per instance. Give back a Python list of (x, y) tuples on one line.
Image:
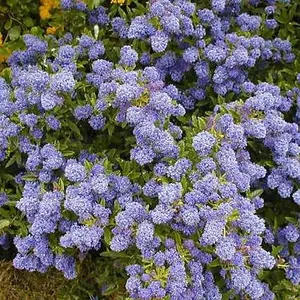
[(158, 140)]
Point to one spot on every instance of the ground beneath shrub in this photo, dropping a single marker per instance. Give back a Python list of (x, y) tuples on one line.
[(17, 285), (23, 285)]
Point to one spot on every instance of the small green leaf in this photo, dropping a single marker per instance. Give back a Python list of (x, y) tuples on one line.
[(29, 177), (8, 24), (292, 220), (255, 193), (215, 263), (234, 216), (67, 153), (28, 22), (75, 129), (276, 250), (107, 235), (61, 184), (228, 295), (122, 13), (11, 161), (111, 129), (14, 33), (4, 223)]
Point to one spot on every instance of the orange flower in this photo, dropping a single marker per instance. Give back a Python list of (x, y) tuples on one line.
[(44, 13), (46, 7), (51, 30)]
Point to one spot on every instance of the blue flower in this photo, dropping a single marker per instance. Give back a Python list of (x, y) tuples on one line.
[(203, 143), (75, 172), (159, 41), (128, 56)]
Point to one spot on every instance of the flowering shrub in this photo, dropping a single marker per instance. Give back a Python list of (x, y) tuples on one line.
[(162, 138)]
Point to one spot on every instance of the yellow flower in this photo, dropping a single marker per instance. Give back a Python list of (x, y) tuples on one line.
[(44, 13), (1, 39), (117, 1), (46, 7), (51, 30)]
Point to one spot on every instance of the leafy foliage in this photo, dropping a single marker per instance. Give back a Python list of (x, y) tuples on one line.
[(115, 156)]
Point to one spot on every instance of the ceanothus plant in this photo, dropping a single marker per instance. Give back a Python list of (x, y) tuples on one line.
[(151, 140)]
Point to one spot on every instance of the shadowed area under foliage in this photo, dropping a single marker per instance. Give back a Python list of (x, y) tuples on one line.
[(21, 285)]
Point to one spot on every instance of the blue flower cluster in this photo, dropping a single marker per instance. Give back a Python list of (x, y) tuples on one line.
[(88, 197), (201, 198), (111, 150)]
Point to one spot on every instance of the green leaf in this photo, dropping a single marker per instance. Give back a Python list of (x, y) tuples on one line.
[(234, 216), (36, 30), (4, 223), (61, 184), (14, 33), (141, 8), (215, 263), (4, 51), (88, 165), (67, 153), (292, 11), (75, 129), (11, 161), (8, 24), (276, 250), (122, 13), (228, 295), (107, 235), (28, 22), (185, 183), (6, 73), (255, 193), (29, 177), (111, 129), (93, 3), (292, 220), (129, 12), (178, 238)]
